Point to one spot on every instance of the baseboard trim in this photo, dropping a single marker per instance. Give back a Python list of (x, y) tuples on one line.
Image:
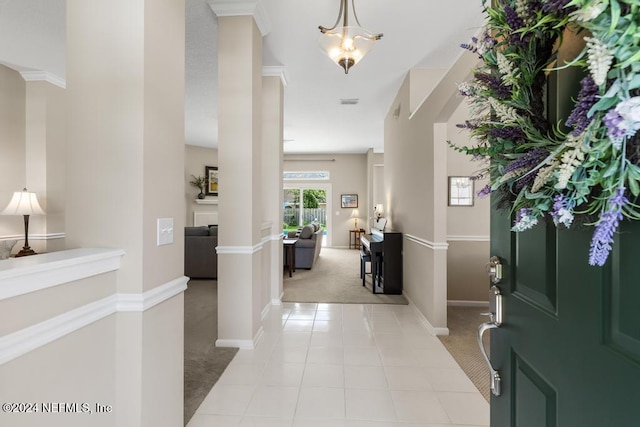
[(242, 344), (265, 311), (32, 337), (463, 303), (277, 301), (425, 322)]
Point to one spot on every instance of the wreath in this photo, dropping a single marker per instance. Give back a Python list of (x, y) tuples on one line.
[(590, 164)]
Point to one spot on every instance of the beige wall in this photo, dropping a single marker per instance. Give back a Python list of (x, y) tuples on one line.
[(416, 186), (12, 146), (79, 367), (348, 175), (467, 227), (195, 160), (375, 184), (32, 141), (46, 171)]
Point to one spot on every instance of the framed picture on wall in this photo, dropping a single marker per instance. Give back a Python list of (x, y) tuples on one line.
[(460, 191), (349, 201), (211, 173)]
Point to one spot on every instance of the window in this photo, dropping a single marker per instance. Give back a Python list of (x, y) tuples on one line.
[(307, 175)]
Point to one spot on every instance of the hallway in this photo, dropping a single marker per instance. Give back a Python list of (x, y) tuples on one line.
[(351, 365)]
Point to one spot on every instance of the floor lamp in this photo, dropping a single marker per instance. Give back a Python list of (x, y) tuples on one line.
[(24, 203)]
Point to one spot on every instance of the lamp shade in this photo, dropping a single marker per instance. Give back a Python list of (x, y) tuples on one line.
[(23, 203), (346, 44), (355, 213)]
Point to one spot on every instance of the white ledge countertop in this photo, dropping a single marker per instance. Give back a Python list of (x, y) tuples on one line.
[(31, 273)]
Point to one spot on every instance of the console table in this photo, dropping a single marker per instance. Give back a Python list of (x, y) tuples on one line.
[(354, 238)]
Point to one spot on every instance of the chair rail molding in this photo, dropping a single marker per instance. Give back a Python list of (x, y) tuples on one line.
[(239, 250), (436, 246), (25, 340)]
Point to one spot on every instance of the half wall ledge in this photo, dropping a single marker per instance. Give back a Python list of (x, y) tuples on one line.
[(19, 276)]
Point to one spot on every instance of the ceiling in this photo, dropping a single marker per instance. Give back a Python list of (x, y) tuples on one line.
[(417, 34)]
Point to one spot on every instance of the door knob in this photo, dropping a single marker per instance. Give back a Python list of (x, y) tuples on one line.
[(495, 320)]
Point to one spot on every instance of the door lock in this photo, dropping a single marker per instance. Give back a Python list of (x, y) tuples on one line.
[(495, 270)]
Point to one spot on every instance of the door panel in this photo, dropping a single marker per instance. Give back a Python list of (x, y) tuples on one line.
[(535, 399), (535, 255), (568, 354), (622, 297)]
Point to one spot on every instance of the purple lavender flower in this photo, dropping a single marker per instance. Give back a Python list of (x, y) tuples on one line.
[(562, 210), (616, 129), (607, 225), (500, 90), (486, 190), (470, 47), (557, 7), (528, 161), (515, 23), (467, 125), (510, 133), (586, 98)]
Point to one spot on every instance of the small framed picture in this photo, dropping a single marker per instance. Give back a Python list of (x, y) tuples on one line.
[(460, 191), (211, 173), (349, 201)]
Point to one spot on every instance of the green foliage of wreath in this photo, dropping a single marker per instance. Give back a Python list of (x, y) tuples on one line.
[(534, 167)]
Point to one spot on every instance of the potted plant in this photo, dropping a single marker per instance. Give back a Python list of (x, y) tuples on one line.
[(200, 182)]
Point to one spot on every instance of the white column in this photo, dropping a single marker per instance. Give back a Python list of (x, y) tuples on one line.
[(240, 172), (125, 170), (273, 83)]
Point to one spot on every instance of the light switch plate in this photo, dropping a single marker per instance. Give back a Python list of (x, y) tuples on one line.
[(165, 231)]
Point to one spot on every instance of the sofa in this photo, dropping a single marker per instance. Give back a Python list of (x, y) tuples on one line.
[(308, 245), (200, 257)]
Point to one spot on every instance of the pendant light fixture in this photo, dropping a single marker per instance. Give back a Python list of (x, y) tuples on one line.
[(346, 45)]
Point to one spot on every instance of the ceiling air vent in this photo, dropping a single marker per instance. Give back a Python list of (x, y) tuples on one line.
[(349, 101)]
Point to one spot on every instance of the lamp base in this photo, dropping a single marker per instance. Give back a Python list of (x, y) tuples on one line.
[(26, 251)]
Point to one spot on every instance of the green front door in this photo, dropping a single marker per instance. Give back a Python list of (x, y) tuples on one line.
[(568, 349)]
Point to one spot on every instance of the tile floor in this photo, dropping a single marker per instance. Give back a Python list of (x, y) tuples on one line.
[(351, 365)]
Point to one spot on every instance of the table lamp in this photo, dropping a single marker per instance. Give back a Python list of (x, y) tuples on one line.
[(354, 215), (24, 203)]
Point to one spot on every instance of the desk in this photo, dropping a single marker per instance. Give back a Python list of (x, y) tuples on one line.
[(290, 254), (354, 238)]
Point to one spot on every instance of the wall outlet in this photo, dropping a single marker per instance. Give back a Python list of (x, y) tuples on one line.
[(165, 231)]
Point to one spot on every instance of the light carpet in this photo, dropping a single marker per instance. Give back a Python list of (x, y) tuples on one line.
[(462, 343), (334, 278)]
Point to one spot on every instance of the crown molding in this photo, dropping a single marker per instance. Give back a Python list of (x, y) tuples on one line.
[(275, 71), (43, 76), (243, 8)]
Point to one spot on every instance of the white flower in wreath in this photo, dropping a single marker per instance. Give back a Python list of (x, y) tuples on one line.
[(590, 11), (630, 111)]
